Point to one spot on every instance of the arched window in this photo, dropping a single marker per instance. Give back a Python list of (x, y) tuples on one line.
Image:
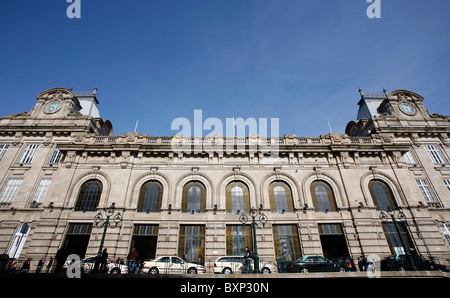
[(150, 197), (194, 197), (382, 195), (237, 197), (280, 197), (323, 197), (89, 195)]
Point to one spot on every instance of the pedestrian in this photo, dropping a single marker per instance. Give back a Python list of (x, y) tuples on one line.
[(132, 259), (348, 265), (103, 261), (364, 263), (26, 266), (360, 266), (39, 266), (49, 265), (248, 255), (61, 256)]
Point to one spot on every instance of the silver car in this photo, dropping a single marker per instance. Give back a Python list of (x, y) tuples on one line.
[(171, 265), (236, 264)]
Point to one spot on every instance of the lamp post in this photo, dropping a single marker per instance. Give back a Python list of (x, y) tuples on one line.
[(262, 219), (105, 222), (384, 216)]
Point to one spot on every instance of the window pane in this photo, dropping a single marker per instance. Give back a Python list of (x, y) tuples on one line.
[(194, 198), (192, 243), (286, 241), (280, 197), (382, 195), (150, 197), (237, 197), (238, 237), (89, 196)]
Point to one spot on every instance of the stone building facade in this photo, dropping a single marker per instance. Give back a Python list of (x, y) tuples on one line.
[(60, 164)]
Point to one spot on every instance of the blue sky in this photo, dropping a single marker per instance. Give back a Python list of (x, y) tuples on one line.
[(301, 61)]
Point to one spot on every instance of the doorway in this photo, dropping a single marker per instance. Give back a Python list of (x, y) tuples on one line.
[(145, 239), (334, 243), (77, 239)]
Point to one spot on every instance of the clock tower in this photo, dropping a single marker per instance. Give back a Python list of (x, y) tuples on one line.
[(400, 112), (63, 110)]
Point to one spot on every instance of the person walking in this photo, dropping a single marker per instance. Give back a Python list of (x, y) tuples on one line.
[(103, 261), (132, 260), (61, 256), (49, 265), (39, 266), (248, 255)]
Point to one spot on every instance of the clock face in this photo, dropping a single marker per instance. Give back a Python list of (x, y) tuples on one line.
[(53, 107), (407, 109)]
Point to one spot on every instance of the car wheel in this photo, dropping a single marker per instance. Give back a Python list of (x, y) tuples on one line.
[(227, 271), (153, 270), (304, 270), (266, 270), (192, 271), (115, 271)]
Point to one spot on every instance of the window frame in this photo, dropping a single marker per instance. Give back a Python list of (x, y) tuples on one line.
[(275, 198), (187, 197), (388, 192), (230, 200), (331, 199), (82, 196), (150, 199)]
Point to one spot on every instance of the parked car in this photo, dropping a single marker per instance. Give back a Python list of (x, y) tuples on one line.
[(314, 264), (236, 264), (87, 265), (171, 265), (399, 262)]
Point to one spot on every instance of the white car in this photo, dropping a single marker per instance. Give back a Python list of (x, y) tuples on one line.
[(235, 264), (171, 265), (87, 265)]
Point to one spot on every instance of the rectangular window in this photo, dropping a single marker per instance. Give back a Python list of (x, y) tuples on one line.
[(56, 156), (435, 154), (286, 242), (28, 153), (396, 240), (447, 183), (426, 190), (238, 237), (445, 228), (10, 190), (409, 158), (191, 245), (16, 245), (41, 191), (3, 149)]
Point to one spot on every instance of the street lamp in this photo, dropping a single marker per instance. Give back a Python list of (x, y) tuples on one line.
[(105, 222), (384, 216), (262, 218)]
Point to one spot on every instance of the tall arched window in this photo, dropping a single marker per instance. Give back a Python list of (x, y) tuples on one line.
[(280, 197), (89, 195), (323, 196), (150, 197), (194, 197), (237, 197), (382, 195)]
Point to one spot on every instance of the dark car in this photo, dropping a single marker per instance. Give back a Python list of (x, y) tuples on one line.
[(314, 264), (401, 262)]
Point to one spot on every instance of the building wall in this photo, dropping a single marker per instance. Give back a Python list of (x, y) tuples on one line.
[(124, 163)]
